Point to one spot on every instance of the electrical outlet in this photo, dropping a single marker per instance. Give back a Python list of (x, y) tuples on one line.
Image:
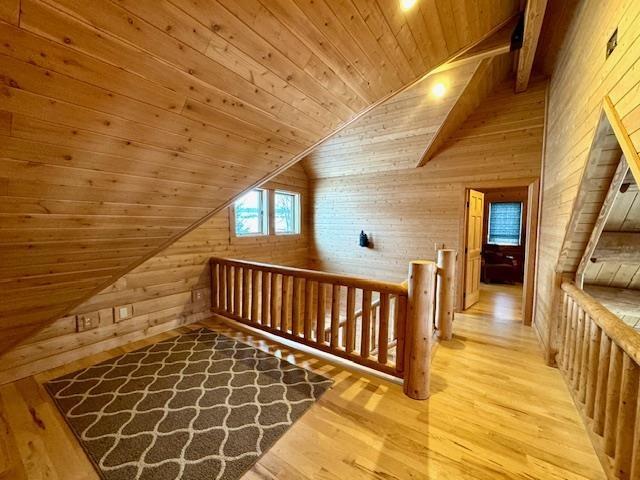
[(122, 312), (87, 321), (198, 295)]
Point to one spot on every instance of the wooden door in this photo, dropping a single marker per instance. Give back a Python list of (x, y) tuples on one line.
[(473, 247)]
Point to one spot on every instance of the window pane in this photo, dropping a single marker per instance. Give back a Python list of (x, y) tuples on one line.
[(286, 213), (249, 214), (505, 221)]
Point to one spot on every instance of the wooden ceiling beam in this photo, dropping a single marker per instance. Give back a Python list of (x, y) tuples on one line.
[(498, 43), (617, 181), (617, 247), (622, 135), (482, 82), (533, 17), (596, 177)]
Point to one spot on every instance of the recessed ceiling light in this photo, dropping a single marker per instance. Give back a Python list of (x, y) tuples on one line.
[(439, 90), (407, 4)]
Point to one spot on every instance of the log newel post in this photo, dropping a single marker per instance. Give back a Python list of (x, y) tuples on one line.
[(445, 296), (419, 328)]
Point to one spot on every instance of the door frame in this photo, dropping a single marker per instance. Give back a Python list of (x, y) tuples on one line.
[(531, 253)]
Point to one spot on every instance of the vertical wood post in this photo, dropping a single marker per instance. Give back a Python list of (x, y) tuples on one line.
[(625, 427), (446, 293), (419, 328)]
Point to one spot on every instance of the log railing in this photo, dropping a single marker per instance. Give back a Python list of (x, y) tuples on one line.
[(381, 325), (600, 355)]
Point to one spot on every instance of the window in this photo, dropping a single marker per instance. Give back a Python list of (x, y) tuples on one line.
[(266, 212), (251, 215), (505, 223), (287, 212)]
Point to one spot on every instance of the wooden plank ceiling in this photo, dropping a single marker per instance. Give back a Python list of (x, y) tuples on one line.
[(124, 123), (399, 133), (615, 261)]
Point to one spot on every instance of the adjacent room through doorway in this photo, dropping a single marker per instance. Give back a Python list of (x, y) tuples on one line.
[(495, 240)]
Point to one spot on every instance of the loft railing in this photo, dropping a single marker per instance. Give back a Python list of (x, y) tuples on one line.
[(600, 355), (381, 325)]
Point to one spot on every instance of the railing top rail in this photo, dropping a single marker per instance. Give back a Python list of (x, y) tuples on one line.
[(618, 331), (323, 277)]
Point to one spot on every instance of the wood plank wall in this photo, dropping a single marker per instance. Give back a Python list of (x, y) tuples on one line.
[(581, 77), (125, 123), (160, 291), (406, 212)]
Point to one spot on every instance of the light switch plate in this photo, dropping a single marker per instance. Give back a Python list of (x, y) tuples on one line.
[(87, 321)]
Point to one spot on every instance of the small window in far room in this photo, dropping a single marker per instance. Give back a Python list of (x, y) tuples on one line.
[(505, 223), (287, 212), (251, 215)]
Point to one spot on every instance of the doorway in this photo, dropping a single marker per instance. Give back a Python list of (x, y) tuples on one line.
[(499, 242)]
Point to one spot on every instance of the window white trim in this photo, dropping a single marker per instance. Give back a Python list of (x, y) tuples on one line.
[(264, 216), (268, 216), (297, 213)]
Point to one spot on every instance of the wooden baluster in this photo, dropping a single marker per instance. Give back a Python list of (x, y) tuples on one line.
[(321, 312), (613, 400), (215, 284), (600, 408), (626, 418), (335, 317), (230, 272), (350, 333), (365, 342), (286, 310), (308, 309), (586, 352), (222, 299), (401, 318), (418, 333), (567, 333), (572, 339), (592, 368), (581, 379), (274, 302), (393, 327), (374, 327), (635, 457), (446, 293), (562, 328), (297, 312), (265, 303), (246, 292), (577, 349), (383, 338), (237, 291), (255, 295)]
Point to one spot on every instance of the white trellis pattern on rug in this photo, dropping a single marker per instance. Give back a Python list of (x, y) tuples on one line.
[(200, 405)]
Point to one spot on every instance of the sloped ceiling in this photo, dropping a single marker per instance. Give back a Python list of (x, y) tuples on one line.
[(395, 134), (124, 123), (615, 261), (392, 135)]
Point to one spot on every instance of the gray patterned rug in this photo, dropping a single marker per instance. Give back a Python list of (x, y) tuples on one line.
[(197, 406)]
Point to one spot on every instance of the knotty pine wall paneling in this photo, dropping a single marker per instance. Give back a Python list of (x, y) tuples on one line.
[(407, 212), (160, 291), (580, 78), (132, 121)]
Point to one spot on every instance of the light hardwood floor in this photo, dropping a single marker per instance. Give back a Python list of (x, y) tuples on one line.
[(496, 412)]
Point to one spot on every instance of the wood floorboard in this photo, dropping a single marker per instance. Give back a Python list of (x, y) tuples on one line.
[(496, 412)]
